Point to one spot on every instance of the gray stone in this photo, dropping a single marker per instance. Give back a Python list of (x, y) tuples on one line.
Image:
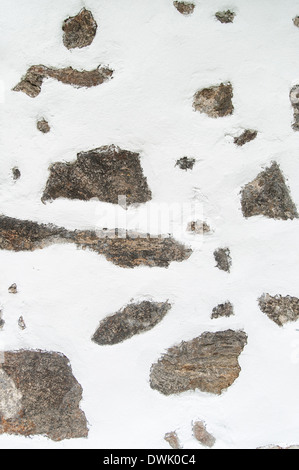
[(294, 98), (225, 16), (223, 310), (16, 174), (268, 195), (280, 309), (223, 259), (39, 395), (21, 323), (43, 126), (296, 21), (215, 101), (208, 363), (245, 137), (185, 163), (13, 289), (202, 435), (80, 30), (185, 8), (132, 320)]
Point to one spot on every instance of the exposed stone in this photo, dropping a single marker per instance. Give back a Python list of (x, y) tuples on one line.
[(2, 322), (185, 163), (80, 30), (272, 447), (223, 259), (225, 16), (13, 289), (104, 173), (294, 97), (202, 435), (172, 439), (245, 137), (280, 309), (132, 320), (268, 195), (16, 174), (186, 8), (21, 323), (208, 363), (215, 101), (296, 21), (128, 251), (43, 126), (32, 82), (198, 227), (223, 310), (40, 395)]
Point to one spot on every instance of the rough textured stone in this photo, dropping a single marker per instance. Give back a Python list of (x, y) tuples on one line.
[(16, 174), (32, 82), (296, 21), (43, 126), (172, 439), (80, 30), (104, 173), (186, 8), (132, 320), (225, 16), (134, 249), (208, 363), (223, 310), (245, 137), (39, 395), (202, 435), (13, 289), (185, 163), (21, 323), (223, 259), (215, 101), (198, 227), (280, 309), (2, 322), (294, 97), (268, 195)]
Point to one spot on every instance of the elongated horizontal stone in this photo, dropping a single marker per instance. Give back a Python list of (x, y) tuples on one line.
[(104, 173), (40, 395), (132, 320), (32, 82), (131, 250), (208, 363)]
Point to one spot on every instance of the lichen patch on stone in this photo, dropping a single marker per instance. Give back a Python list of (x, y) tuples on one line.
[(80, 30), (215, 101)]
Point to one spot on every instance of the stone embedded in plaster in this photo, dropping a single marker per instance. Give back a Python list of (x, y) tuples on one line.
[(202, 435), (223, 310), (21, 323), (268, 195), (16, 174), (173, 440), (2, 322), (132, 320), (296, 21), (215, 101), (223, 259), (13, 289), (280, 309), (208, 363), (32, 82), (80, 30), (43, 126), (40, 395), (245, 137), (128, 250), (186, 8), (198, 227), (185, 163), (294, 98), (225, 16), (105, 173)]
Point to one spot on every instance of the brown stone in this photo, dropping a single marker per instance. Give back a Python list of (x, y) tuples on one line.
[(280, 309), (208, 363), (223, 259), (132, 320), (198, 227), (104, 173), (80, 30), (215, 101), (202, 435), (40, 395), (32, 82), (172, 439), (245, 137), (128, 251), (268, 195), (186, 8), (43, 126), (223, 310), (225, 16)]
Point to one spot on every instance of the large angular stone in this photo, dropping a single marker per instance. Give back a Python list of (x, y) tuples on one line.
[(132, 320), (280, 309), (104, 173), (215, 101), (40, 395), (268, 195), (129, 250), (80, 30), (208, 363), (32, 82)]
